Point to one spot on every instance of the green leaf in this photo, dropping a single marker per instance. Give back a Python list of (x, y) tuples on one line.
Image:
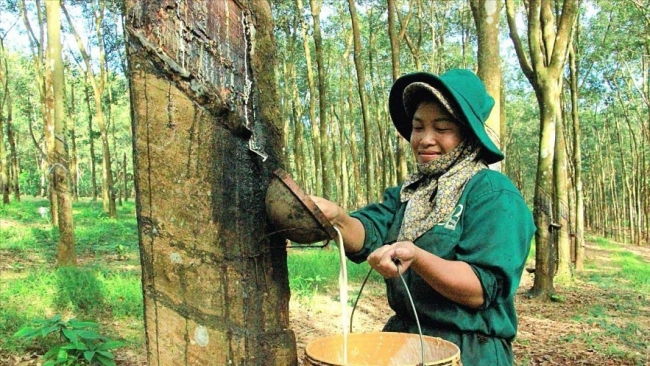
[(110, 345), (106, 354), (105, 360), (81, 325), (51, 353), (88, 355), (79, 346), (27, 332), (46, 331), (62, 354), (88, 334), (71, 335)]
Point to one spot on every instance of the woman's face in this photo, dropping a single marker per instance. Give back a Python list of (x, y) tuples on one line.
[(435, 132)]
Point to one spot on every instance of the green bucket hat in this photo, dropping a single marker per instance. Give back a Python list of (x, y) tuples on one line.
[(460, 91)]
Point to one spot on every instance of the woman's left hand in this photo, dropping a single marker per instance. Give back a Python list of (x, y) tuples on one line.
[(388, 259)]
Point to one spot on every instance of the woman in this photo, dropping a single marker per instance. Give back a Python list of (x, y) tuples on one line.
[(457, 231)]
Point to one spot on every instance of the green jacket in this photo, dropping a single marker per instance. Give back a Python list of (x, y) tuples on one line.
[(490, 229)]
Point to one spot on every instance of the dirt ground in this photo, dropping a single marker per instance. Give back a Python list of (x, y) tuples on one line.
[(548, 332)]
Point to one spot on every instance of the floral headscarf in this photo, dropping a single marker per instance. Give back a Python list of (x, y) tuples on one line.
[(434, 190)]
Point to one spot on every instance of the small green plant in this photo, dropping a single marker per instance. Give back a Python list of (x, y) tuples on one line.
[(81, 344), (305, 286), (121, 251)]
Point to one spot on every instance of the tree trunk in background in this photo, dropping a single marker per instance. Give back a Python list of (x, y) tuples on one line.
[(91, 138), (545, 237), (579, 224), (414, 48), (15, 168), (353, 137), (634, 180), (119, 181), (125, 175), (465, 33), (563, 273), (4, 165), (295, 154), (289, 150), (486, 18), (343, 148), (98, 84), (324, 125), (42, 79), (349, 126), (204, 110), (382, 154), (40, 155), (316, 137), (548, 44), (402, 144), (74, 172), (438, 24), (60, 188), (626, 188), (301, 151), (361, 82)]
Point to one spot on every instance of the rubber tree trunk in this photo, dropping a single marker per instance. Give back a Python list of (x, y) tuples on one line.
[(486, 18), (205, 116), (59, 155), (402, 150)]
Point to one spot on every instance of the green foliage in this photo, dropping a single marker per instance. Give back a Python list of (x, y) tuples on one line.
[(324, 263), (123, 291), (604, 243), (316, 271), (626, 266), (102, 288), (80, 342), (79, 290), (635, 269), (305, 286)]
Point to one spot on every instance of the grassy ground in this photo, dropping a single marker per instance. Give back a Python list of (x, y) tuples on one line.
[(602, 318)]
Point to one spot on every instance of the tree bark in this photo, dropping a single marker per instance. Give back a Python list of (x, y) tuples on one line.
[(4, 165), (125, 175), (37, 45), (74, 172), (91, 138), (215, 281), (486, 15), (548, 44), (563, 273), (352, 137), (66, 255), (15, 168), (579, 224), (315, 130), (402, 145), (324, 124), (361, 82), (98, 84)]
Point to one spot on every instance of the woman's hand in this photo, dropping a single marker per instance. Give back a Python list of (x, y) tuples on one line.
[(330, 209), (454, 280), (385, 260), (351, 229)]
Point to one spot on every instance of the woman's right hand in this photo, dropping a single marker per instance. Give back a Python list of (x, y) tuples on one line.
[(331, 210), (351, 229)]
